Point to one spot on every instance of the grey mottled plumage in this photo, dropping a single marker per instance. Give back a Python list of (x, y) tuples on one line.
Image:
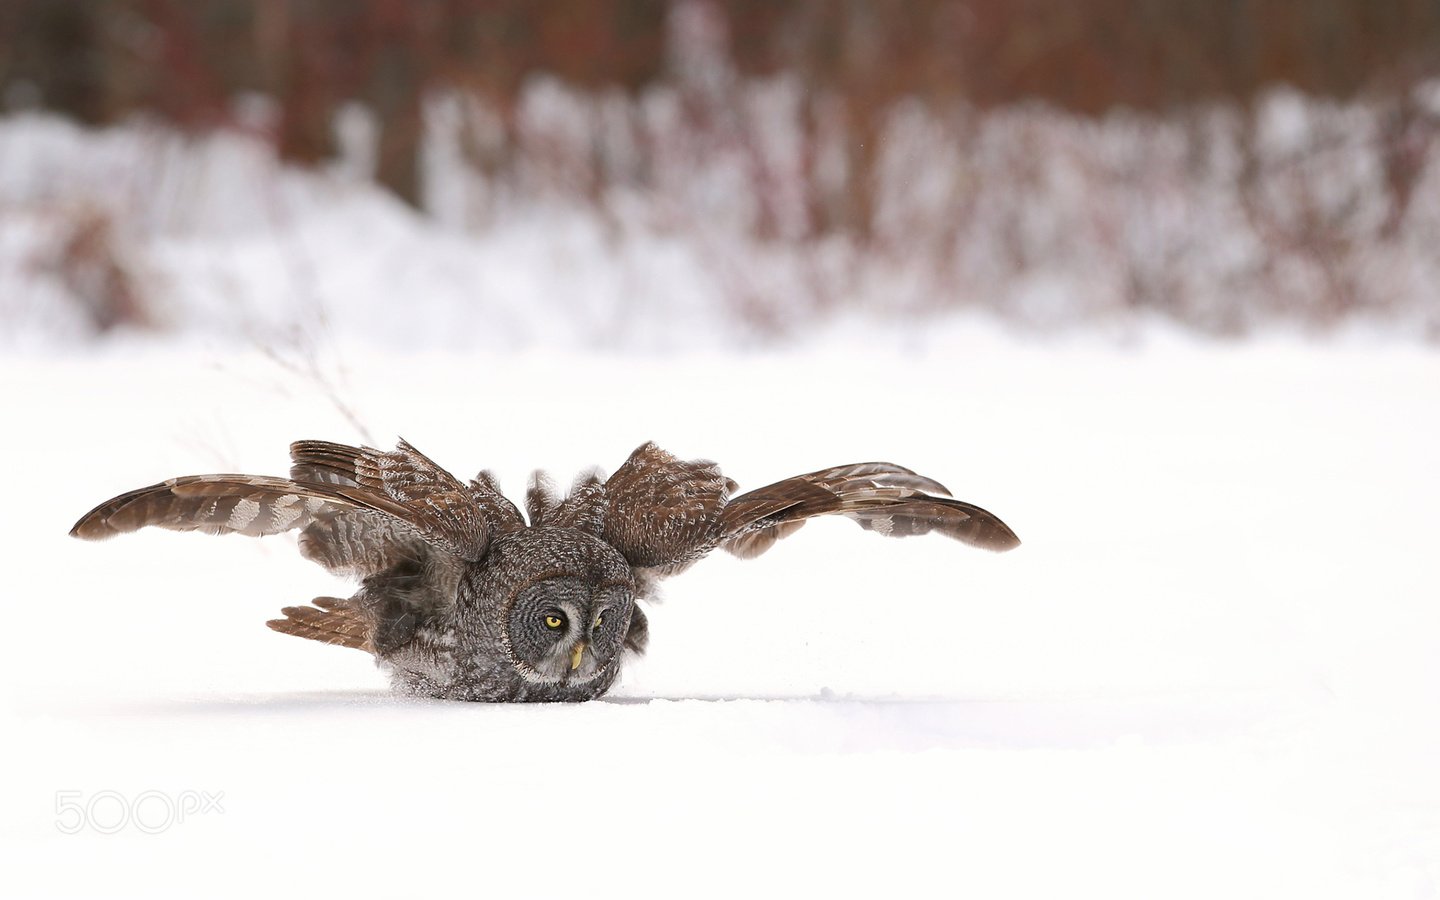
[(462, 599)]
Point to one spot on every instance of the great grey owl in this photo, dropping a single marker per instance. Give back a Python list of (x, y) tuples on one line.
[(461, 599)]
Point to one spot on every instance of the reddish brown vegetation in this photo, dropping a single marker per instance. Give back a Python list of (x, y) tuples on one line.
[(100, 60), (823, 161)]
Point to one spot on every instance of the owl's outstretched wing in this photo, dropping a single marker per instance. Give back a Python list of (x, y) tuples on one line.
[(227, 504), (395, 519), (665, 513), (355, 506), (882, 497), (447, 513)]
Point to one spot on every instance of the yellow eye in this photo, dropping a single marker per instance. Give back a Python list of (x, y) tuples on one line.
[(553, 621), (599, 620)]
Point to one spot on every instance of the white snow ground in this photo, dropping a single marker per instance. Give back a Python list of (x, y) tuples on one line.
[(1212, 669)]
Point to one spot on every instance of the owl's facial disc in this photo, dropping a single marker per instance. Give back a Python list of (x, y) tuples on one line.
[(564, 629)]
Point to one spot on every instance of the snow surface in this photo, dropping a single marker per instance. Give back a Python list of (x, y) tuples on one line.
[(1212, 669)]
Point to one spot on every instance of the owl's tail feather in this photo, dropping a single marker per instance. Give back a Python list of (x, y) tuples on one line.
[(329, 620)]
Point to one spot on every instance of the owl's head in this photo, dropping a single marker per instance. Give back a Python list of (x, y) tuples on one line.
[(571, 597)]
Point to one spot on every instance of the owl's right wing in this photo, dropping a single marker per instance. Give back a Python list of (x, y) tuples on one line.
[(359, 510), (395, 519)]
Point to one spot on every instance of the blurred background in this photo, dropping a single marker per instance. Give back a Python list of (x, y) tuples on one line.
[(677, 173)]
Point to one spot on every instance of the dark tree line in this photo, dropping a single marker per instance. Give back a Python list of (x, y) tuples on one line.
[(102, 60)]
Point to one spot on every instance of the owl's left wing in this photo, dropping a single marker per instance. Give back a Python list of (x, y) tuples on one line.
[(665, 513), (882, 497)]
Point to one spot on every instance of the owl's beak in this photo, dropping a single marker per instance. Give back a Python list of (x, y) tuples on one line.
[(576, 654)]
